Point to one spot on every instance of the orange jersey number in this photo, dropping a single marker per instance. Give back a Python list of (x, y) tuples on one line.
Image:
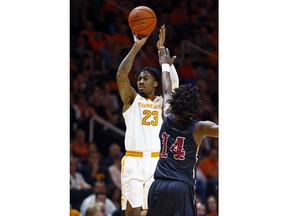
[(147, 114)]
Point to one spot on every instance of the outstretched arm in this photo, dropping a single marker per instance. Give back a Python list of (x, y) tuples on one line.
[(165, 61), (127, 92), (173, 73), (203, 129)]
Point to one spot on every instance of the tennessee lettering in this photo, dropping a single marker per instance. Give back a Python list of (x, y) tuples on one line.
[(145, 105)]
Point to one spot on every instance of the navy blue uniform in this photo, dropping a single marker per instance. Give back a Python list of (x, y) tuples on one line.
[(172, 192)]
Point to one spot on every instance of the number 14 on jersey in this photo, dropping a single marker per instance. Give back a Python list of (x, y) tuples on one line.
[(177, 148)]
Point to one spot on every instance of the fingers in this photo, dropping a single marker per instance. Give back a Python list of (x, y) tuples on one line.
[(167, 52), (136, 39), (163, 29), (161, 51), (141, 39), (161, 37), (173, 59)]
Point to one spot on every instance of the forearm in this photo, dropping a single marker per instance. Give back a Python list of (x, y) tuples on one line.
[(173, 72), (166, 88), (166, 79), (174, 77), (127, 93), (126, 65)]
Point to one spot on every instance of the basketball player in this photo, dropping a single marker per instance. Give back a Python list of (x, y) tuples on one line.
[(172, 192), (142, 112)]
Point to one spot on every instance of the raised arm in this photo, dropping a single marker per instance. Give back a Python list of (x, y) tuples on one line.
[(127, 92), (203, 129), (165, 61), (173, 73)]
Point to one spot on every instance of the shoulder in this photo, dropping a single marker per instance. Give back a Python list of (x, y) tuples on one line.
[(159, 98), (138, 97), (205, 128), (199, 123), (130, 101), (202, 124)]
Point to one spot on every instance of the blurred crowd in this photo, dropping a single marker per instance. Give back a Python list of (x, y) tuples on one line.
[(99, 40)]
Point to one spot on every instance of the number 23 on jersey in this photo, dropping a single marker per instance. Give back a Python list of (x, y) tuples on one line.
[(147, 114)]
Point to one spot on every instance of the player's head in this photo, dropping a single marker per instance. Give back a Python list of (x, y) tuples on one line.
[(185, 101), (148, 81)]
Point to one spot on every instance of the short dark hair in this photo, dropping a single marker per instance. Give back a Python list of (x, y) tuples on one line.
[(185, 101), (155, 73)]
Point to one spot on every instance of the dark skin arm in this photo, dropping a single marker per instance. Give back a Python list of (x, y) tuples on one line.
[(127, 92), (164, 58), (160, 43), (203, 129)]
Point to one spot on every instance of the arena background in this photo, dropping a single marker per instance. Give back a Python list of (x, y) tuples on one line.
[(34, 92), (100, 38)]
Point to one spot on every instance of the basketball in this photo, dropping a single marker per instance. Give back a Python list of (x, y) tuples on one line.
[(142, 20)]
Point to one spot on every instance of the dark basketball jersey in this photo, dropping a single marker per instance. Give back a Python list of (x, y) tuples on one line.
[(179, 152)]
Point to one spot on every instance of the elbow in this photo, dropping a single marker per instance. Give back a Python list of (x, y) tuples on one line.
[(121, 74), (118, 75)]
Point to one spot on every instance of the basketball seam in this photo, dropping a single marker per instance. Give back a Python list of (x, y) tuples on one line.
[(153, 13), (147, 27), (141, 19)]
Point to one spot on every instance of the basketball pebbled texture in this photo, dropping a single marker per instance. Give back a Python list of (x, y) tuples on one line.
[(142, 20)]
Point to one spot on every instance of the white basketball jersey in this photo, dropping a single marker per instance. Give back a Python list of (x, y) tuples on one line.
[(143, 122)]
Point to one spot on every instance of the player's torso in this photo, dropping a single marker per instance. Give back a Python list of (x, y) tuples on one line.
[(179, 152), (143, 121)]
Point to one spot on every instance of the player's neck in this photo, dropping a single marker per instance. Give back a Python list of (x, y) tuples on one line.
[(150, 97)]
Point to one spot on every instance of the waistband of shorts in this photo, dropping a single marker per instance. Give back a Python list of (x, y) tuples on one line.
[(142, 154)]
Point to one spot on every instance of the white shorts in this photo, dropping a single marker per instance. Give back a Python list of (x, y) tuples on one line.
[(137, 175)]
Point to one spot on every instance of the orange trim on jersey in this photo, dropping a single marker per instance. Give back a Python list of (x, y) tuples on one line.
[(152, 99), (140, 154), (122, 164)]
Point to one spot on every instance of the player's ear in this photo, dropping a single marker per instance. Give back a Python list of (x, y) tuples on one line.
[(155, 84)]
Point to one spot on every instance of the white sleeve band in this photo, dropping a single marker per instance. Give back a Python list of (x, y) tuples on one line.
[(165, 67), (174, 77)]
